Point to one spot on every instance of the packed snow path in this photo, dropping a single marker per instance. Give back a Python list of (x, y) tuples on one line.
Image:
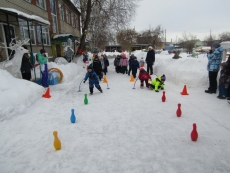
[(121, 130)]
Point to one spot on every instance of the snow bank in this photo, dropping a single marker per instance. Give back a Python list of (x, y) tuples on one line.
[(184, 71), (16, 95)]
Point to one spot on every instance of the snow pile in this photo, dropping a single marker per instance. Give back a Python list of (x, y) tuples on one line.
[(60, 60), (16, 95)]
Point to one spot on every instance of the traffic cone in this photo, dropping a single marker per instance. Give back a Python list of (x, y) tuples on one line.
[(105, 80), (47, 94), (184, 92), (131, 78)]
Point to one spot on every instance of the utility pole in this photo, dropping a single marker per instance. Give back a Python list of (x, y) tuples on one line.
[(165, 37)]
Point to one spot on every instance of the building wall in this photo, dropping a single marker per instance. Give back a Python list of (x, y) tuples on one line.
[(32, 8)]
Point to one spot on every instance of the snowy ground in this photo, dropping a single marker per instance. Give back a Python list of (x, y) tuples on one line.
[(122, 130)]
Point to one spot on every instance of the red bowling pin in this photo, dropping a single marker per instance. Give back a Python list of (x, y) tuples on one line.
[(178, 112), (163, 97), (194, 134)]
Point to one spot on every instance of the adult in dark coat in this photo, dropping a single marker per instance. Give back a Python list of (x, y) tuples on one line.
[(26, 66), (150, 59), (106, 64), (97, 67)]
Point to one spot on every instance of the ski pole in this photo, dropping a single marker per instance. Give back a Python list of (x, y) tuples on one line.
[(80, 86)]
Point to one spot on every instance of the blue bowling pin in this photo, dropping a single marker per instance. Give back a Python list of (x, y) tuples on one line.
[(72, 117)]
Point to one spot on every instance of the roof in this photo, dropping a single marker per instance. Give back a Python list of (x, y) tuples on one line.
[(29, 17), (63, 37)]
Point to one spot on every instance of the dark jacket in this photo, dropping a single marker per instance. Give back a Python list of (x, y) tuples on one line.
[(150, 58), (134, 65), (97, 66), (26, 65), (93, 78), (106, 62)]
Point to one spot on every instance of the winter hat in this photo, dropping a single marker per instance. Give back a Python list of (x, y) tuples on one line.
[(163, 78), (142, 60), (150, 47), (42, 51), (216, 45)]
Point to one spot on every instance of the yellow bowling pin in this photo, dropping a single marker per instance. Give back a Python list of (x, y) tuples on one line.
[(57, 142)]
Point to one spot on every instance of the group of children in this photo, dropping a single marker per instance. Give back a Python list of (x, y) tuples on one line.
[(99, 66)]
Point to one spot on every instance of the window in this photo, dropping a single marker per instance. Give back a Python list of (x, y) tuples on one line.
[(24, 31), (41, 4), (67, 16), (54, 15), (45, 35), (73, 23), (61, 11), (77, 22)]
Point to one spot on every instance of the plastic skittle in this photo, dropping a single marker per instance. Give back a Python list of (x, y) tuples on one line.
[(72, 117), (163, 97), (194, 134), (179, 112), (57, 142), (86, 100)]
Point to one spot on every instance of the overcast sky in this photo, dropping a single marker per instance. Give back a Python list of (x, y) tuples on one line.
[(197, 17)]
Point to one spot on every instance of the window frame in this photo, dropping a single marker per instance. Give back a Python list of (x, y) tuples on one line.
[(54, 16), (44, 1), (46, 33), (61, 11), (72, 19), (24, 28), (68, 16)]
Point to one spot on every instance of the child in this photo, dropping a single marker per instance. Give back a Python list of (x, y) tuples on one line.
[(142, 63), (97, 67), (106, 63), (93, 80), (158, 83), (124, 63), (134, 66), (144, 76), (223, 81)]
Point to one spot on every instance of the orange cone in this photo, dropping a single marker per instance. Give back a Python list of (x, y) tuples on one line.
[(131, 78), (184, 92), (47, 94), (105, 80)]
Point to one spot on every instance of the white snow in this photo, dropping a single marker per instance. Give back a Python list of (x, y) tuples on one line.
[(29, 16), (61, 35), (121, 130)]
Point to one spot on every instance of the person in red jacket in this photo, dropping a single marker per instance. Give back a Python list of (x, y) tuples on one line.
[(144, 77)]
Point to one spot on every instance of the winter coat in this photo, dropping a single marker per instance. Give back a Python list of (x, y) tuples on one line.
[(150, 58), (134, 65), (93, 78), (224, 76), (102, 64), (41, 58), (85, 58), (124, 62), (117, 62), (144, 75), (157, 83), (97, 66), (215, 59), (130, 60), (106, 62), (26, 65)]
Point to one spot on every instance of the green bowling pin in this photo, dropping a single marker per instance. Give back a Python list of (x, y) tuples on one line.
[(86, 100)]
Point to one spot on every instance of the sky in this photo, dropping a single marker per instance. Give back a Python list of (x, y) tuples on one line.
[(125, 129), (197, 17)]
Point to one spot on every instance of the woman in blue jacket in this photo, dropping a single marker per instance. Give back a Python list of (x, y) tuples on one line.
[(214, 60)]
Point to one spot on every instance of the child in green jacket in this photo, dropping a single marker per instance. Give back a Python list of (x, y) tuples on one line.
[(158, 83)]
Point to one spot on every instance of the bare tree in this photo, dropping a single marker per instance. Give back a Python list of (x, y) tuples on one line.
[(224, 36), (152, 36), (126, 38), (102, 18), (188, 41)]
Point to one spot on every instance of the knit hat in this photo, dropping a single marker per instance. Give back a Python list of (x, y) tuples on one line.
[(216, 45), (163, 78), (142, 60), (150, 47), (42, 51)]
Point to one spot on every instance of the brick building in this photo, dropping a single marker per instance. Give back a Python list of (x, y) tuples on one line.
[(39, 20)]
